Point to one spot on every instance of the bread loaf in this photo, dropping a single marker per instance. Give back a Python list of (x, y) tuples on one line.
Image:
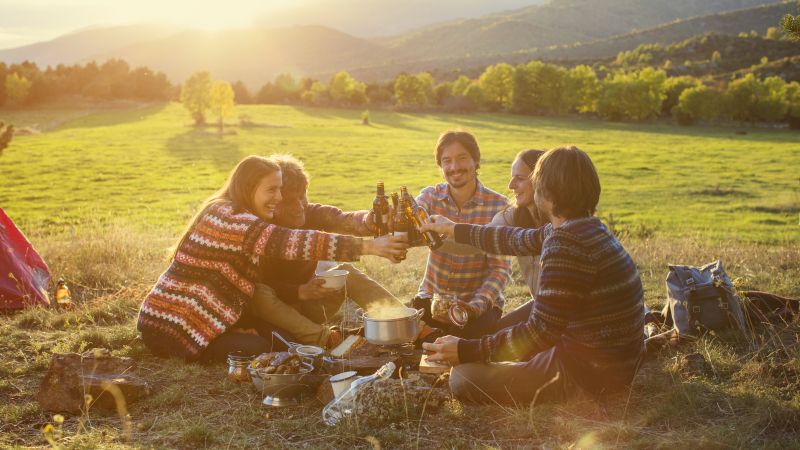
[(347, 346)]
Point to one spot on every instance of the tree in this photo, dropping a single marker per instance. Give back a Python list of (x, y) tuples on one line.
[(582, 89), (538, 88), (6, 133), (673, 88), (442, 92), (345, 89), (636, 96), (413, 90), (791, 25), (17, 89), (716, 57), (773, 105), (496, 82), (288, 89), (460, 85), (772, 33), (241, 95), (793, 99), (698, 103), (196, 95), (3, 74), (751, 100), (221, 101)]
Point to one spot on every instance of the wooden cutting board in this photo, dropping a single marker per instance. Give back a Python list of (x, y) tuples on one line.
[(426, 366)]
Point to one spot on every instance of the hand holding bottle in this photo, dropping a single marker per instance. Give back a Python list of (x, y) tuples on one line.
[(390, 247), (440, 225)]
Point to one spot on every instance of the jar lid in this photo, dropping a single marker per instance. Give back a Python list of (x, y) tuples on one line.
[(458, 315)]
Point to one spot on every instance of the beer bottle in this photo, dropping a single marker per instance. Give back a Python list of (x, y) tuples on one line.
[(63, 296), (418, 215), (380, 212), (414, 236), (401, 226)]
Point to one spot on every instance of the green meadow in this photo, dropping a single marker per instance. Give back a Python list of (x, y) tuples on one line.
[(149, 166), (102, 192)]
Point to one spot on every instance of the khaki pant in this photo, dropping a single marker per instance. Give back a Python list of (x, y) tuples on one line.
[(305, 320)]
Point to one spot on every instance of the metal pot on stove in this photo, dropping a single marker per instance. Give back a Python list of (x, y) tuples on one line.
[(392, 326)]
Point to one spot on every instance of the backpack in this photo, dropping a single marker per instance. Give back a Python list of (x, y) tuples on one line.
[(701, 299)]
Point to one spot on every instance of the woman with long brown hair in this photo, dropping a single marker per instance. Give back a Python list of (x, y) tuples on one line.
[(523, 213), (200, 304)]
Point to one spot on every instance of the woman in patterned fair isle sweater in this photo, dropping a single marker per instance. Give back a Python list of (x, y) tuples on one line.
[(198, 308), (585, 329)]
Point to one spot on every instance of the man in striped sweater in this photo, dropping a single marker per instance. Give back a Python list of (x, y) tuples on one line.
[(475, 279), (585, 329)]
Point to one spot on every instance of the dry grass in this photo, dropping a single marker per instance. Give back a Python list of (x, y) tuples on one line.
[(744, 398)]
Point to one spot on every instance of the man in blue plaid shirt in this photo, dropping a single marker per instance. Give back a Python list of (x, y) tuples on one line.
[(477, 279)]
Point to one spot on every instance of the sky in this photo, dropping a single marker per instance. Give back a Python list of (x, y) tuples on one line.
[(27, 21)]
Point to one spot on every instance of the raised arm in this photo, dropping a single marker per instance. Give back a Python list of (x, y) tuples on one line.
[(501, 240), (334, 220)]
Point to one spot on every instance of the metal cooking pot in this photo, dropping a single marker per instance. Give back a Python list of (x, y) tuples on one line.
[(401, 328)]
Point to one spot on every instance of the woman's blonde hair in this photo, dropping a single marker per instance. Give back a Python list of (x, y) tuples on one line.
[(238, 190)]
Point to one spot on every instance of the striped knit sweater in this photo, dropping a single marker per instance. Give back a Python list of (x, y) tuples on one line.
[(214, 272), (589, 302)]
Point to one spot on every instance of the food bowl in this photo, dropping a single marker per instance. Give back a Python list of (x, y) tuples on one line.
[(282, 389), (334, 279)]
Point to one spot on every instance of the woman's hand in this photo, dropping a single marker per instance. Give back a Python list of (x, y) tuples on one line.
[(444, 350), (390, 247), (314, 290), (439, 224)]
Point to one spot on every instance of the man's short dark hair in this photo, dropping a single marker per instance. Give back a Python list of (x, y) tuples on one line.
[(465, 138), (567, 177)]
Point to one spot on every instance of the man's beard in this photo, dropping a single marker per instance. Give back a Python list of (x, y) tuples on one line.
[(464, 175)]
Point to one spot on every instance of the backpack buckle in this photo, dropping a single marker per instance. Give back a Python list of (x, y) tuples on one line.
[(696, 309)]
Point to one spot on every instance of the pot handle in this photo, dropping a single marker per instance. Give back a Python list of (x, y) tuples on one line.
[(420, 313)]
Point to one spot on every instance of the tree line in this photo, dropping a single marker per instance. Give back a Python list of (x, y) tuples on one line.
[(25, 84), (535, 87)]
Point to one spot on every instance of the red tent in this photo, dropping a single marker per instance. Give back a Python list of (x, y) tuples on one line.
[(24, 276)]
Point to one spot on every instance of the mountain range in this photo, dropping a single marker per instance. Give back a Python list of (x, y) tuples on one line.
[(560, 29)]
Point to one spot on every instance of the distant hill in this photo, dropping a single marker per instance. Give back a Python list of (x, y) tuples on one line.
[(555, 23), (556, 30), (370, 18), (252, 55), (83, 44), (757, 18)]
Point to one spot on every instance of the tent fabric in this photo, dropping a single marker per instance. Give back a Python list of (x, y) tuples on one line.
[(24, 276)]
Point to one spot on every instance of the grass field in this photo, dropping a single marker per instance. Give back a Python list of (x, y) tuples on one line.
[(103, 192), (150, 166)]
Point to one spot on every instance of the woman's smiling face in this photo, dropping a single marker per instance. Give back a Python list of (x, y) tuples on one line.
[(267, 195)]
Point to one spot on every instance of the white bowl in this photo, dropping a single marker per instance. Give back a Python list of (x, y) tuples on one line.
[(334, 279)]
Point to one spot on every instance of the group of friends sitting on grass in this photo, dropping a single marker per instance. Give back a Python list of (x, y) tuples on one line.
[(246, 265)]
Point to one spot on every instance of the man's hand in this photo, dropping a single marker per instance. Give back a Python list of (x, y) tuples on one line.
[(390, 247), (444, 350), (439, 224), (313, 290), (472, 310)]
